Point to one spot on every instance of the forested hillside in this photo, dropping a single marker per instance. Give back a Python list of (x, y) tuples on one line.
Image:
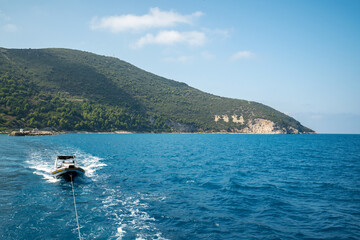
[(73, 90)]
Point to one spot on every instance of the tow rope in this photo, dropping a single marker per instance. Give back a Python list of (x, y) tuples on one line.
[(77, 219)]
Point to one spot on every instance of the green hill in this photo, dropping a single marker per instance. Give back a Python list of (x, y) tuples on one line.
[(75, 90)]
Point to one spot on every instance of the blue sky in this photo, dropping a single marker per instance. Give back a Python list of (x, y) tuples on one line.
[(299, 57)]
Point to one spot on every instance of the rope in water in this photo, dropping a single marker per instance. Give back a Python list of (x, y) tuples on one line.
[(77, 219)]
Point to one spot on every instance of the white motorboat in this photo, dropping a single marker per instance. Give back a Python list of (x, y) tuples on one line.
[(66, 167)]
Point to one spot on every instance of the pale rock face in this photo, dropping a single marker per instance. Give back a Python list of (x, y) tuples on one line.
[(225, 118), (262, 126), (235, 119), (256, 126)]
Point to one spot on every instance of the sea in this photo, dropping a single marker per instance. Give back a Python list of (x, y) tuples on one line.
[(182, 186)]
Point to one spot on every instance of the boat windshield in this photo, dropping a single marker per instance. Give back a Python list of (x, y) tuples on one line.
[(71, 161)]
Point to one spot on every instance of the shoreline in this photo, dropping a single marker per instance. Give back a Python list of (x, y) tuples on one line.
[(50, 133)]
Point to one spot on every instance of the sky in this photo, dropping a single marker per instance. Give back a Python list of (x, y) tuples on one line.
[(299, 57)]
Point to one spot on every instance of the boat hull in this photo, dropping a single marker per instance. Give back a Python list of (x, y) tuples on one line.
[(67, 173)]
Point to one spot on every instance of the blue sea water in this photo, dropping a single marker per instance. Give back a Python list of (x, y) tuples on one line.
[(183, 186)]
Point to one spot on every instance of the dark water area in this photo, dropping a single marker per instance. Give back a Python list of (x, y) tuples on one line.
[(183, 186)]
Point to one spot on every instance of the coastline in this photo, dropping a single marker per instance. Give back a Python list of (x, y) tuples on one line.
[(50, 133)]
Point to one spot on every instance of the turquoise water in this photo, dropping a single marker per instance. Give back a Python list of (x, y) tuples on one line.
[(183, 186)]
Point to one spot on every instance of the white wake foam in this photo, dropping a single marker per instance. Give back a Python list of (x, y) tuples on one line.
[(129, 213), (90, 163), (43, 163)]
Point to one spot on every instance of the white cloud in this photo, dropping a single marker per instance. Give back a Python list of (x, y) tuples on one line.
[(192, 38), (242, 55), (154, 19), (223, 33), (10, 27)]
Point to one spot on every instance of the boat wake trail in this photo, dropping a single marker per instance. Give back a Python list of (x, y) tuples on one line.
[(130, 215), (43, 163), (90, 163)]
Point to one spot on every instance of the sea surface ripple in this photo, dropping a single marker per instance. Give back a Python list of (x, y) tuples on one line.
[(183, 186)]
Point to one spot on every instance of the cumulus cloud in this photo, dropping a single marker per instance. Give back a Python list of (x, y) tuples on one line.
[(193, 38), (242, 55), (154, 19)]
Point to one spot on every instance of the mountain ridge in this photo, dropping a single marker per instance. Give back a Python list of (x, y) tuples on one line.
[(75, 90)]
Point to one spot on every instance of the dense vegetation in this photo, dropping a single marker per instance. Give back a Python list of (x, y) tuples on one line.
[(74, 90), (22, 104)]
